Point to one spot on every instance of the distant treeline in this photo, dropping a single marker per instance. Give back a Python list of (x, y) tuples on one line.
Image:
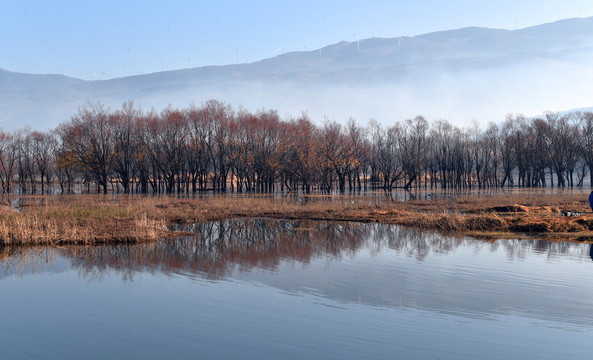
[(213, 147)]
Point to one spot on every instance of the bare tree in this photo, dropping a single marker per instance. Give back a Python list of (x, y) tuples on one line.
[(92, 138), (8, 158), (387, 154), (42, 147), (586, 127), (415, 142), (125, 143)]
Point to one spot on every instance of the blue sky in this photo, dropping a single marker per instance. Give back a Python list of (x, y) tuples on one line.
[(82, 38)]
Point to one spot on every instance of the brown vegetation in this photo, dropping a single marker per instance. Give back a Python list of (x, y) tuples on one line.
[(88, 219)]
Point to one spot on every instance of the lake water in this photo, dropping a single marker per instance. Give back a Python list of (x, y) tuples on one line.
[(265, 289)]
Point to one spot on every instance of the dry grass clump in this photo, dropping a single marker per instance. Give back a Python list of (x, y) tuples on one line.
[(454, 222), (76, 221), (524, 201)]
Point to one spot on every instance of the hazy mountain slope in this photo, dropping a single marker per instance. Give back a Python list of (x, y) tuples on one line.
[(464, 74)]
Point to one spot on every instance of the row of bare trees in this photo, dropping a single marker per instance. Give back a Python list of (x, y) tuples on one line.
[(213, 147)]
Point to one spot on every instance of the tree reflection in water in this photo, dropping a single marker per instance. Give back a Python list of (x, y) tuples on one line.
[(18, 260), (220, 248)]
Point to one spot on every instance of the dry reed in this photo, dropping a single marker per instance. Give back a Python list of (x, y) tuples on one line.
[(94, 219)]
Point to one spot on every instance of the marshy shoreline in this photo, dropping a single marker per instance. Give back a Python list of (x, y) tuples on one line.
[(108, 219)]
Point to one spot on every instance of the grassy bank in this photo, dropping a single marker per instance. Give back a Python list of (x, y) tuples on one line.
[(92, 219)]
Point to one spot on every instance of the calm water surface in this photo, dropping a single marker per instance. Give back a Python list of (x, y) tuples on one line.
[(298, 290)]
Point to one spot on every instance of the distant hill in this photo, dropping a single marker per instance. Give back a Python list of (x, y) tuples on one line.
[(463, 74)]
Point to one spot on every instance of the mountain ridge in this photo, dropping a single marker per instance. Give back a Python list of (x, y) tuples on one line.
[(371, 70)]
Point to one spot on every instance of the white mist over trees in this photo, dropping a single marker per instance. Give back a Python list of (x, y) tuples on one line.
[(460, 75), (213, 147)]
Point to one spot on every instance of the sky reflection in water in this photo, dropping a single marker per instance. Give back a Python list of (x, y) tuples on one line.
[(267, 289)]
